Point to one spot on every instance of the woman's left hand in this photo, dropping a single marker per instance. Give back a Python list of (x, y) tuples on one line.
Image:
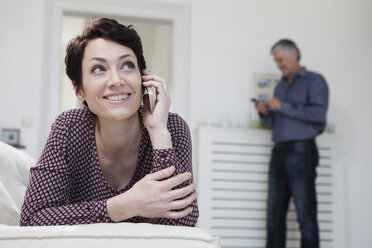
[(156, 122)]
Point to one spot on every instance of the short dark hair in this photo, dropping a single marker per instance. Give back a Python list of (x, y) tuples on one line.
[(105, 28), (287, 46)]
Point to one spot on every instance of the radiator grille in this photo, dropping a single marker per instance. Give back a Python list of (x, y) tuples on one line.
[(232, 176)]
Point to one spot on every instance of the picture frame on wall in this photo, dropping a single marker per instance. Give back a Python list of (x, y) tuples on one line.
[(264, 85), (10, 136), (262, 89)]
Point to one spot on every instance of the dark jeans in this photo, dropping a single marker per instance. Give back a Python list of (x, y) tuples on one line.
[(292, 173)]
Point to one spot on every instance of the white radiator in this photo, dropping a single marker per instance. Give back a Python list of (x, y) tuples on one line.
[(231, 172)]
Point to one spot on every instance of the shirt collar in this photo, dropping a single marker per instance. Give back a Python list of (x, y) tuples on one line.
[(301, 73)]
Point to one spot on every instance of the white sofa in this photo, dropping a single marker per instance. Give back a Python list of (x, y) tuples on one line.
[(14, 171)]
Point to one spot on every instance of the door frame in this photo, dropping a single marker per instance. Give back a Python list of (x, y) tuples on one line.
[(177, 14)]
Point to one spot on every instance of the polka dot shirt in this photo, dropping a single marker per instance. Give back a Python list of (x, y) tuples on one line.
[(67, 186)]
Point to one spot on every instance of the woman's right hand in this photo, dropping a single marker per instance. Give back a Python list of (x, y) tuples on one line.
[(154, 197)]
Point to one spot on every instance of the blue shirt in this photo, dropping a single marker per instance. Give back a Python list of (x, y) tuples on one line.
[(302, 114)]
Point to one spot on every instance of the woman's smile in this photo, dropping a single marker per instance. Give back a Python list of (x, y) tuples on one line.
[(117, 98)]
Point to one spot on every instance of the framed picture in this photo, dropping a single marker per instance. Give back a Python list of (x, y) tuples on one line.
[(10, 136), (262, 88), (264, 85)]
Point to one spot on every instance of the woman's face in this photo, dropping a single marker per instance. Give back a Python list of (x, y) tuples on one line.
[(111, 80)]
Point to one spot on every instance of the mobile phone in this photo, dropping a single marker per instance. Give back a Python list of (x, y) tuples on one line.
[(149, 97)]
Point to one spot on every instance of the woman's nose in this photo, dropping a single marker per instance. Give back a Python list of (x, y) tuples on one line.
[(115, 79)]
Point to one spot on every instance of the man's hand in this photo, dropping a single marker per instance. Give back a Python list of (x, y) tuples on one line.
[(273, 104), (261, 107)]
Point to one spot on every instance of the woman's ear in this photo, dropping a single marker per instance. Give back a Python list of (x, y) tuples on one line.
[(80, 96), (79, 93)]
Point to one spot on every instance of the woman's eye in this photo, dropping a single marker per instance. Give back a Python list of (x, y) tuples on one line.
[(97, 69), (128, 66)]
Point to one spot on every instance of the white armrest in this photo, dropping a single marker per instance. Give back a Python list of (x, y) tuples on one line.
[(107, 235), (14, 171), (9, 211)]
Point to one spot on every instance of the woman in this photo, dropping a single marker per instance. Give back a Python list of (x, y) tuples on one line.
[(113, 160)]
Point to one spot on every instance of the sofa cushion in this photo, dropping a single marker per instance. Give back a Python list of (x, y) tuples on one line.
[(14, 171), (9, 213), (107, 235)]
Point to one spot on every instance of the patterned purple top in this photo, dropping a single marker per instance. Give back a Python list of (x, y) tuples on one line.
[(67, 186)]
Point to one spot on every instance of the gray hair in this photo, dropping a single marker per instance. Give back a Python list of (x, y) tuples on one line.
[(287, 46)]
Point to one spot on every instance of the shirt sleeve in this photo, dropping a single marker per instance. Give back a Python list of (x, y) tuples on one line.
[(181, 157), (316, 106), (47, 195)]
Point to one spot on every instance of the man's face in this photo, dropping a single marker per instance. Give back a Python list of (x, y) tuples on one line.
[(287, 63)]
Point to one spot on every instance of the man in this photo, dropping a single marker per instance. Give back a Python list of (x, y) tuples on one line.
[(296, 114)]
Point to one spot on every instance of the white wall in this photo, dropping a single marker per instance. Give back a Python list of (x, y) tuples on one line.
[(230, 41), (21, 51)]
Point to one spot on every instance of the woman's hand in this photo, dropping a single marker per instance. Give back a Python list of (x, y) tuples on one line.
[(154, 197), (159, 118), (156, 122)]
